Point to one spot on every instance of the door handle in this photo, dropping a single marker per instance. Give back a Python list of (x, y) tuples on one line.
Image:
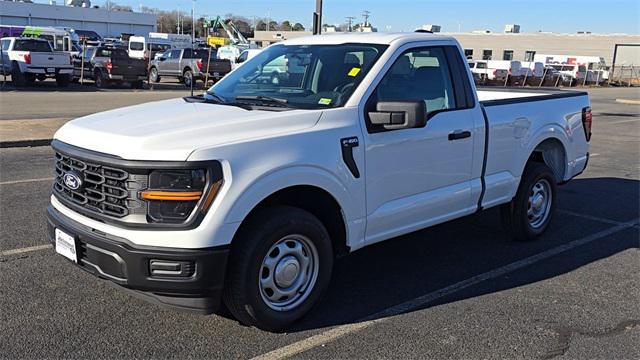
[(459, 134)]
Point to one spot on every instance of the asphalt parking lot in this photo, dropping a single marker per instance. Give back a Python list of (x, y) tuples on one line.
[(458, 290)]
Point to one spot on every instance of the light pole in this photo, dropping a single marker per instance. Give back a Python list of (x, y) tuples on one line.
[(317, 18), (193, 22)]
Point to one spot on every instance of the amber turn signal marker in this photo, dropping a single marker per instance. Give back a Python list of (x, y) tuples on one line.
[(215, 187), (171, 195)]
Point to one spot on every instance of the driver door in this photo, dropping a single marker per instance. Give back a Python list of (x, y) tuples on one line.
[(417, 177)]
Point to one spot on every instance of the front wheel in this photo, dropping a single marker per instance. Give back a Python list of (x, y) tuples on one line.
[(280, 267), (153, 75), (187, 78), (528, 215)]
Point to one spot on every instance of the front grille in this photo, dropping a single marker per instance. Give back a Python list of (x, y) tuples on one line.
[(105, 190)]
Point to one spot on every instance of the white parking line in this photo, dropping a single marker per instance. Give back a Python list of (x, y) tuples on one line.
[(589, 217), (25, 250), (25, 181), (342, 330)]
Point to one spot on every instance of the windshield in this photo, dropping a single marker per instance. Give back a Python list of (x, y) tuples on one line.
[(301, 76)]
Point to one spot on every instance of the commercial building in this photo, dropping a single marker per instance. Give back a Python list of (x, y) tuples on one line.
[(266, 38), (523, 46), (105, 23)]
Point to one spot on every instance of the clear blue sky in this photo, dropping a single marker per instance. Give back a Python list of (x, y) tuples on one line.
[(404, 15)]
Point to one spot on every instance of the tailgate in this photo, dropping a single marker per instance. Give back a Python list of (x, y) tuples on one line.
[(219, 66), (128, 66), (52, 59)]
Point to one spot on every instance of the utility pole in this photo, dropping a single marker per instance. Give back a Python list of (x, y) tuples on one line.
[(349, 22), (366, 15), (193, 22), (317, 18)]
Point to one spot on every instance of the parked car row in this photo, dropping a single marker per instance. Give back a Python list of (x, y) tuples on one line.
[(535, 73)]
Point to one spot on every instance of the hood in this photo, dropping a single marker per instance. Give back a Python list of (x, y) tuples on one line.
[(172, 129)]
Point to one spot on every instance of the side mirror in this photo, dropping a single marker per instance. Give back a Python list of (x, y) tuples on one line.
[(394, 115), (239, 60), (162, 58)]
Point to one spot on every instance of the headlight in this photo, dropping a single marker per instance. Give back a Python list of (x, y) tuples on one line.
[(173, 195)]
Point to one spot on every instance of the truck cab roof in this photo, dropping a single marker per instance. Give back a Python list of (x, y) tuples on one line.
[(366, 38)]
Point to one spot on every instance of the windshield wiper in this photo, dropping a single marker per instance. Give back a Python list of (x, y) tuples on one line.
[(265, 99), (217, 98)]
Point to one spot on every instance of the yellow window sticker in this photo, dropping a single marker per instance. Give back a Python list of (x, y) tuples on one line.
[(354, 71), (324, 101)]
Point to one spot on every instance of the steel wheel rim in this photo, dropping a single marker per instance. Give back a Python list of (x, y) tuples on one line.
[(539, 203), (289, 272)]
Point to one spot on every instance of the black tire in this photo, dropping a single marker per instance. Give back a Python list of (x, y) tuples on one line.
[(516, 220), (17, 77), (63, 80), (100, 80), (242, 294), (187, 78), (30, 79), (153, 75), (41, 77), (139, 84)]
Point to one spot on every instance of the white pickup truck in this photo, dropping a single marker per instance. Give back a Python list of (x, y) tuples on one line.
[(28, 59), (248, 192)]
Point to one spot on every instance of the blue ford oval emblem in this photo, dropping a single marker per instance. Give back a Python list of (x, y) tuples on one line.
[(72, 181)]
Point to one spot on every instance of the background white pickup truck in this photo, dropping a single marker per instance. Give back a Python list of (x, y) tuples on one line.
[(28, 59), (249, 191)]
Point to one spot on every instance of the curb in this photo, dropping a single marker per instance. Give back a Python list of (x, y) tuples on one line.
[(24, 143), (628, 101)]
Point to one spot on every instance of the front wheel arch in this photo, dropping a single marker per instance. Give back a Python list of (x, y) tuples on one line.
[(314, 200)]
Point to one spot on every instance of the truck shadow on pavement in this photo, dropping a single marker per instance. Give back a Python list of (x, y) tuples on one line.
[(390, 273)]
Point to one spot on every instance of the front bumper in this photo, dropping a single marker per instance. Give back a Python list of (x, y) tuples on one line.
[(198, 288)]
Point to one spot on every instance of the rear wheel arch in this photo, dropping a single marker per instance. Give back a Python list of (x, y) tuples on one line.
[(553, 153)]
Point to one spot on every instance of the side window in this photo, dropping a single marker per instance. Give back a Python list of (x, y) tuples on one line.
[(5, 44), (419, 74), (188, 54), (175, 54)]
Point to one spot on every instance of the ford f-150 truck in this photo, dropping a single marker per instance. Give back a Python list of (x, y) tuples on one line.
[(248, 192), (188, 65), (107, 65), (29, 58)]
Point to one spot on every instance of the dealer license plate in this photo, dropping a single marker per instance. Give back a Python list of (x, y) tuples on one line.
[(66, 245)]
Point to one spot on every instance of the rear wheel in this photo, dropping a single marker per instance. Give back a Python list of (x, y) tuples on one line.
[(30, 79), (17, 77), (280, 267), (63, 80), (528, 215), (100, 80), (139, 84)]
